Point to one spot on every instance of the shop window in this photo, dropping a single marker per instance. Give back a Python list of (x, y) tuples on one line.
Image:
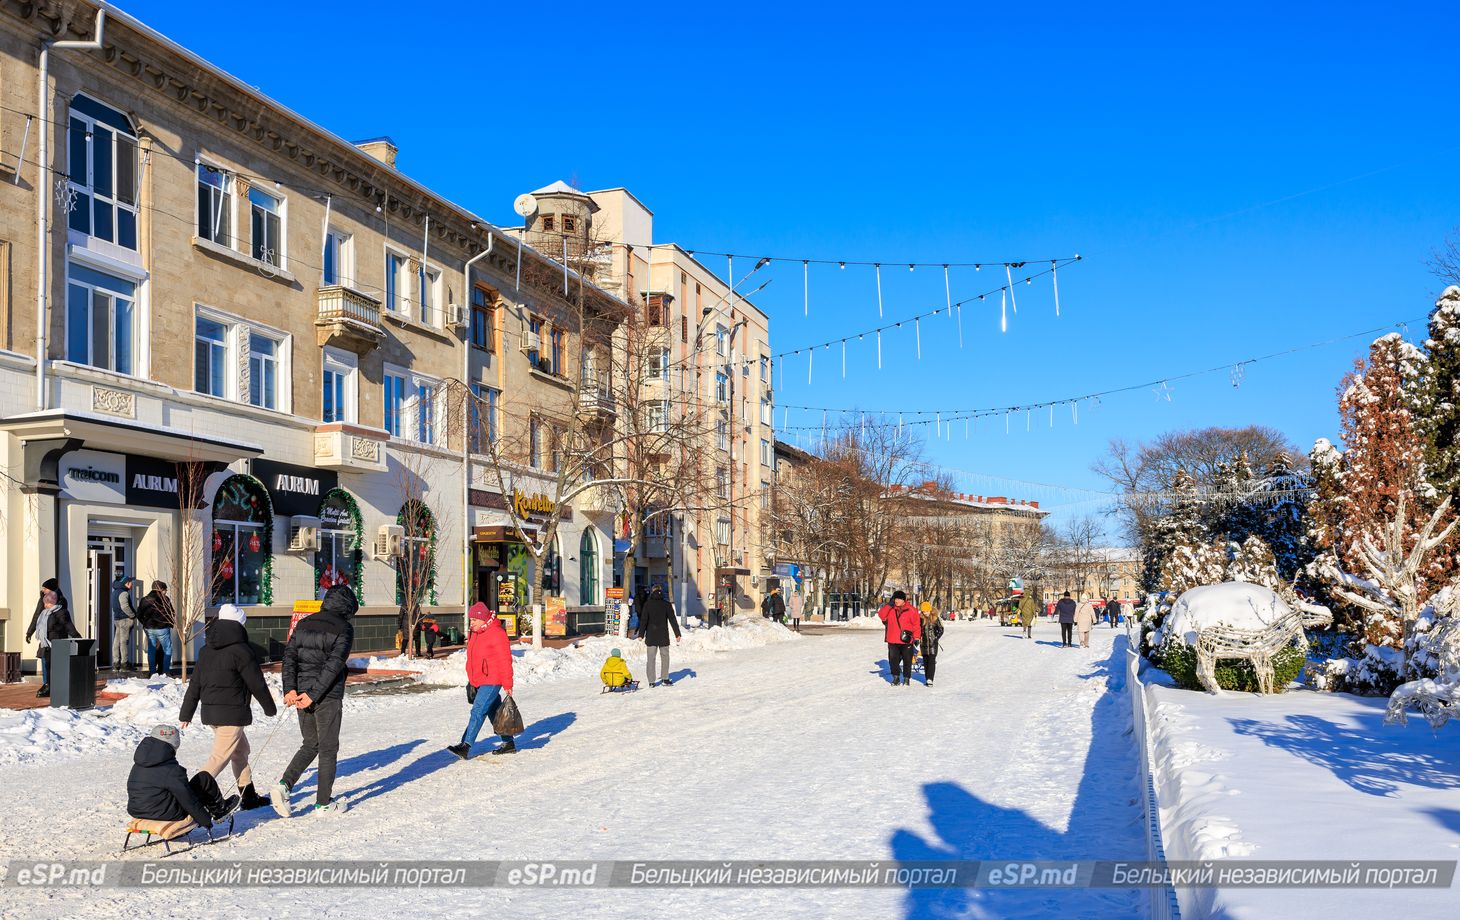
[(341, 551), (588, 569), (242, 533), (415, 569)]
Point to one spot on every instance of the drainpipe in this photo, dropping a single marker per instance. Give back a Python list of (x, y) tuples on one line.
[(466, 443), (43, 198)]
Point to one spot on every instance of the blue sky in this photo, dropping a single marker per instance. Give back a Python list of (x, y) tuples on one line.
[(1238, 180)]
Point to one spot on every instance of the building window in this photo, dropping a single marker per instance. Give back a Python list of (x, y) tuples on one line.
[(338, 398), (555, 449), (765, 496), (534, 333), (425, 408), (588, 569), (722, 531), (241, 514), (395, 275), (656, 310), (659, 364), (215, 205), (534, 443), (767, 412), (722, 433), (722, 341), (684, 329), (570, 223), (101, 145), (548, 223), (100, 320), (339, 258), (484, 416), (722, 387), (481, 320), (263, 371), (722, 482), (415, 571), (428, 283), (657, 416), (395, 403), (555, 352), (765, 452), (210, 357), (266, 214), (659, 525)]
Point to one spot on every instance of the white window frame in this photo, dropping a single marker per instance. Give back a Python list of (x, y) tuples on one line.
[(722, 531), (722, 432), (767, 412), (345, 364), (722, 341), (765, 452), (225, 192), (282, 376), (428, 295), (238, 346), (402, 414), (229, 343), (138, 340), (87, 191), (282, 212), (341, 244), (657, 416), (401, 306), (722, 386), (492, 396), (410, 416), (659, 362)]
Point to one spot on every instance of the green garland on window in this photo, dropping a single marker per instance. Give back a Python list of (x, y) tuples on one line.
[(266, 590), (357, 555), (430, 518)]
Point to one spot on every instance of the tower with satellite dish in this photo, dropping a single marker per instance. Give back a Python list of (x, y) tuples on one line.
[(557, 220)]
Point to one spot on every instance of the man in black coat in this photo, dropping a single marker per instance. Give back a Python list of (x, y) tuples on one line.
[(656, 618), (1065, 610), (160, 795), (775, 606), (314, 683), (226, 676)]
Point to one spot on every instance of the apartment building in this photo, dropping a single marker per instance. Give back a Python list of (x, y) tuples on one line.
[(217, 311), (714, 361)]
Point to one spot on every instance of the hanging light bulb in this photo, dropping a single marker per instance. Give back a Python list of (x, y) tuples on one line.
[(910, 266), (842, 264)]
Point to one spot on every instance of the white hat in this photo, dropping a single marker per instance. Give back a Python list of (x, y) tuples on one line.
[(230, 612)]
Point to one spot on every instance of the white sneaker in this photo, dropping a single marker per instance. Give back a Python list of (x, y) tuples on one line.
[(335, 806), (280, 799)]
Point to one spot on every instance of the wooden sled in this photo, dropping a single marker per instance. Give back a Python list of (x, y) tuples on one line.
[(178, 844), (628, 687)]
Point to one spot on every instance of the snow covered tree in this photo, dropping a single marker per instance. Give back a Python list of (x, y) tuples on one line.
[(1440, 396), (1284, 520), (1253, 561), (1192, 564), (1161, 534)]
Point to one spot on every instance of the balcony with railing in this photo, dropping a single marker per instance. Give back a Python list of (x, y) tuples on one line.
[(348, 319), (595, 400)]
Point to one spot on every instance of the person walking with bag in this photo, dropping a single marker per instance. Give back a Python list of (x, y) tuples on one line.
[(314, 683), (655, 621), (226, 676), (1028, 610), (1065, 610), (124, 621), (903, 626), (931, 633), (488, 678)]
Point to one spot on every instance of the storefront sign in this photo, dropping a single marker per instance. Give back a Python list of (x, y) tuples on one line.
[(614, 594), (93, 476), (527, 506), (151, 483), (334, 514), (301, 610), (294, 489)]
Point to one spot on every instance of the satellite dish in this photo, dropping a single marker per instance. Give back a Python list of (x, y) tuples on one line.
[(526, 205)]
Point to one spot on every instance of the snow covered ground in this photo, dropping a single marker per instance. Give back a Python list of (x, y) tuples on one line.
[(788, 750), (1303, 775)]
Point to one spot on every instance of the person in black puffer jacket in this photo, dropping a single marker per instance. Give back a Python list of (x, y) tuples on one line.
[(160, 795), (314, 683), (226, 675)]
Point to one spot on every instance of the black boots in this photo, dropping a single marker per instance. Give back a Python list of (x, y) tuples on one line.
[(45, 690), (507, 747), (460, 750), (249, 798)]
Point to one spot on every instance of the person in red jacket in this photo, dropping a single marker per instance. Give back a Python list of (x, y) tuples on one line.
[(903, 626), (488, 677)]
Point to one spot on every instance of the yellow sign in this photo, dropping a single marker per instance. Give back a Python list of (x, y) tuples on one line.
[(527, 505), (307, 606), (555, 616)]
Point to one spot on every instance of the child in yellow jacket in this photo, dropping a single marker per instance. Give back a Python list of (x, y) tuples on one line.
[(615, 671)]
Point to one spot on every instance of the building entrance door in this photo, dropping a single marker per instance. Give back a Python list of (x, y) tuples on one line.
[(107, 557)]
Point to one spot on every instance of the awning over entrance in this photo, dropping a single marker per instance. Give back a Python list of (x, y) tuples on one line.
[(501, 533), (732, 570)]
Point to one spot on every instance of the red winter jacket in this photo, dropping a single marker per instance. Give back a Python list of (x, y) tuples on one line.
[(489, 656), (908, 619)]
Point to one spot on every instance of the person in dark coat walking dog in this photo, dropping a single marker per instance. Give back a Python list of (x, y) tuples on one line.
[(656, 618), (160, 796), (226, 676), (314, 683), (1065, 610)]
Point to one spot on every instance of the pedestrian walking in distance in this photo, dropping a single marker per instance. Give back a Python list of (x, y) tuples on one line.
[(795, 606), (1085, 620), (314, 683), (1028, 610), (124, 621), (931, 633), (655, 620), (1112, 611), (225, 679), (903, 625), (1065, 610), (488, 677)]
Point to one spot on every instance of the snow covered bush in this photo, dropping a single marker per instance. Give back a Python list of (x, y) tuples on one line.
[(1438, 697), (1179, 660)]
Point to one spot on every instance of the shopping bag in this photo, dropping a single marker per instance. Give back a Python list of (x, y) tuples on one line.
[(508, 720)]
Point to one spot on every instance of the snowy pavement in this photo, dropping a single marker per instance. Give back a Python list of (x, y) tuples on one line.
[(1304, 775), (791, 750)]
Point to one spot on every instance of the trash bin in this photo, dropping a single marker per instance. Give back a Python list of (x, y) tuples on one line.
[(453, 636), (73, 673)]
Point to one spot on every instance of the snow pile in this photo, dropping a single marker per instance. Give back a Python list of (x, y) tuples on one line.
[(859, 622), (1234, 603), (586, 657), (33, 734)]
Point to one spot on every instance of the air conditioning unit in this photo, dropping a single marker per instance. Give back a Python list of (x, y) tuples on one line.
[(531, 341), (455, 316), (754, 580), (389, 540), (303, 534)]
